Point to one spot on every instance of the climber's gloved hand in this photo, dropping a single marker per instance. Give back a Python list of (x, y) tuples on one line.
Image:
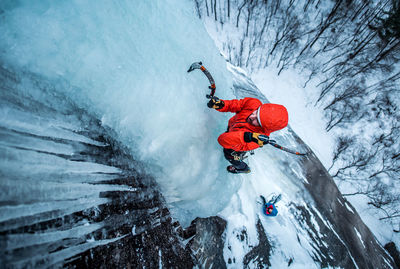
[(215, 103), (258, 138)]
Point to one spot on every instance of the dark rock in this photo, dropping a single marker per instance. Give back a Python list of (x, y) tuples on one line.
[(350, 241), (393, 251), (260, 254), (207, 245), (152, 248), (189, 231)]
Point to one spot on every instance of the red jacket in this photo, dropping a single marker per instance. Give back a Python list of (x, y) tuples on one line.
[(274, 118)]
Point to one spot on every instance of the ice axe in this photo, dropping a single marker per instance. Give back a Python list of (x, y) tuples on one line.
[(273, 143), (199, 65)]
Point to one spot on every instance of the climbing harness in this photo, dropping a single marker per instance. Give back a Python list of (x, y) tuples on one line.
[(239, 155)]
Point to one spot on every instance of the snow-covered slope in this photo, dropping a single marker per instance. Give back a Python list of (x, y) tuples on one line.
[(69, 67), (315, 224)]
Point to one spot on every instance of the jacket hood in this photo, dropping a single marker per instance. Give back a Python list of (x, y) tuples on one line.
[(272, 117)]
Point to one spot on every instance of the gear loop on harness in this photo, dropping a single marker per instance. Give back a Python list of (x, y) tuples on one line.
[(239, 155)]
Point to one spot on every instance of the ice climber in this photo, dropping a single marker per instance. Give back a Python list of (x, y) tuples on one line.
[(251, 120), (269, 208)]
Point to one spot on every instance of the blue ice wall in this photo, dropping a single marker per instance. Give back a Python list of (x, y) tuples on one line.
[(126, 62)]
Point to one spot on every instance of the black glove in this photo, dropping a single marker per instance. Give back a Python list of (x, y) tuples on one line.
[(260, 139), (215, 103)]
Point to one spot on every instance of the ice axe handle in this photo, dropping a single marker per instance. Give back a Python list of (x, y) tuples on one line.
[(264, 138), (212, 88), (211, 95)]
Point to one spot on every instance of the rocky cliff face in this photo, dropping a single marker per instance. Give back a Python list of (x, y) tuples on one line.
[(350, 242)]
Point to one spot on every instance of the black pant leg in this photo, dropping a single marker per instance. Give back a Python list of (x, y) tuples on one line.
[(240, 165)]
